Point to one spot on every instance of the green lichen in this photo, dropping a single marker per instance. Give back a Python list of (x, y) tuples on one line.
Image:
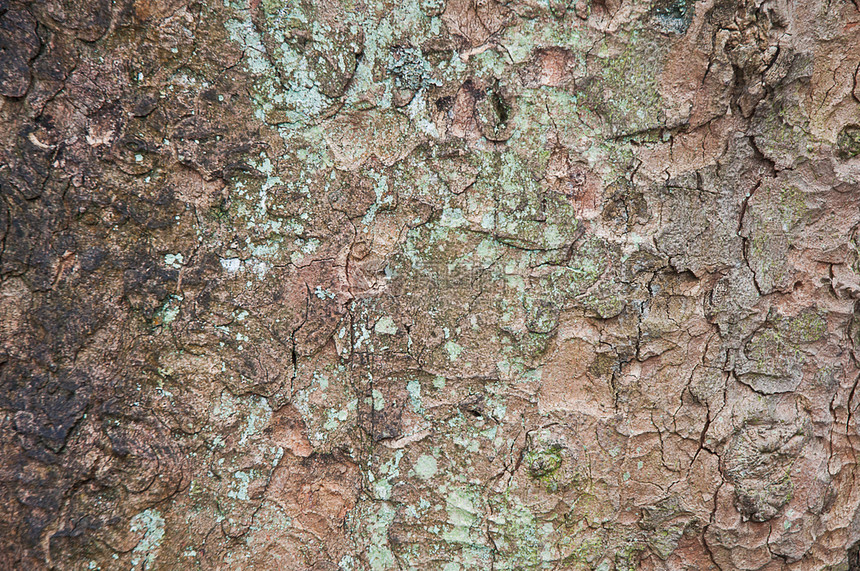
[(543, 463), (628, 90), (792, 206), (807, 327), (848, 141)]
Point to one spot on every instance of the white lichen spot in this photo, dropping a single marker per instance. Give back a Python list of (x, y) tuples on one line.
[(453, 218), (260, 268), (259, 415), (378, 400), (321, 380), (231, 265), (239, 488), (363, 335), (335, 418), (323, 294), (385, 326), (170, 310), (174, 260)]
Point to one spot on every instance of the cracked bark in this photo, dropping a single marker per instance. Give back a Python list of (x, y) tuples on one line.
[(457, 285)]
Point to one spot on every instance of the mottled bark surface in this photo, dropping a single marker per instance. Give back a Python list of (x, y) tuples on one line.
[(431, 284)]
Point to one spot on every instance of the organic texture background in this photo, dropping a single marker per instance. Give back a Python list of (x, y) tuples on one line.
[(429, 284)]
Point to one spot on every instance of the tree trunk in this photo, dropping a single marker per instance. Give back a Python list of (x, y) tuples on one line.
[(431, 284)]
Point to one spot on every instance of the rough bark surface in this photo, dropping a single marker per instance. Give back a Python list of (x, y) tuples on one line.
[(429, 284)]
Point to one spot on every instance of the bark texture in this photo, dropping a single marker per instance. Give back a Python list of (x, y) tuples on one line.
[(429, 284)]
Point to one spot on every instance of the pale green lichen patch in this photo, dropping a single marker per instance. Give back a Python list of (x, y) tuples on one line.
[(462, 517), (259, 414), (174, 260), (378, 400), (807, 327), (169, 311), (150, 524), (413, 387), (377, 520), (775, 355), (454, 350), (425, 467)]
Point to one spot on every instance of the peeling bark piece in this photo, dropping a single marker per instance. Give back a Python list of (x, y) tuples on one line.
[(770, 363), (495, 114), (89, 19), (553, 67), (758, 463)]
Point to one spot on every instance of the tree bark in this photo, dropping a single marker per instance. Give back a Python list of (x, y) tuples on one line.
[(439, 284)]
